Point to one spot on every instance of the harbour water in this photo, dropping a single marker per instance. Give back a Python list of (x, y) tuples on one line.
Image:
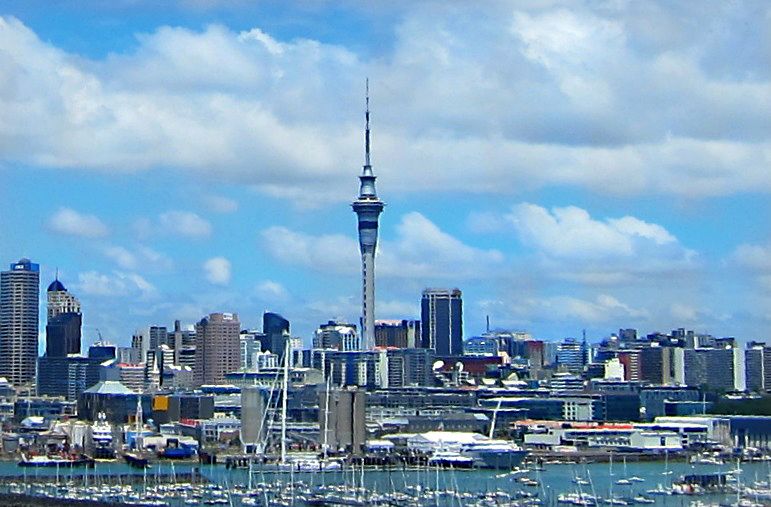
[(458, 487)]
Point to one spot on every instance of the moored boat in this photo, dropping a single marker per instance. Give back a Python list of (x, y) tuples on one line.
[(55, 461)]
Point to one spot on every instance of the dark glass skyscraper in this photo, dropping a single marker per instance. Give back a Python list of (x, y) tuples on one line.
[(441, 312), (19, 305), (276, 331)]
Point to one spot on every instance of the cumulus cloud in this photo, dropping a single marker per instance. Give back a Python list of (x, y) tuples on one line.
[(269, 290), (71, 223), (176, 223), (571, 232), (600, 309), (572, 245), (622, 98), (220, 204), (754, 257), (140, 256), (217, 270), (185, 223), (115, 284), (420, 250)]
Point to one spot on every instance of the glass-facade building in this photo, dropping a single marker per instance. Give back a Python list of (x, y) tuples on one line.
[(441, 312)]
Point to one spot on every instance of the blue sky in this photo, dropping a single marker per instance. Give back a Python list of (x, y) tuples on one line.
[(569, 166)]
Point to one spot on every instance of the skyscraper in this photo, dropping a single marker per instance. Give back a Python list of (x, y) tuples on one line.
[(441, 314), (276, 331), (367, 208), (19, 304), (218, 348), (63, 329)]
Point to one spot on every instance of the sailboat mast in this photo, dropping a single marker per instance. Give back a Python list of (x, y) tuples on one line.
[(283, 402), (326, 411)]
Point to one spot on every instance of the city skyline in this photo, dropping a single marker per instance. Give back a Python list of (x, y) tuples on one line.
[(575, 207)]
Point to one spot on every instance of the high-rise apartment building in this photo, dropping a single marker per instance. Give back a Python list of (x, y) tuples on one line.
[(402, 334), (218, 348), (367, 208), (758, 367), (63, 330), (19, 306), (441, 321), (721, 369)]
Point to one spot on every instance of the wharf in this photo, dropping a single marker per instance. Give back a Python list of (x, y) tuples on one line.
[(541, 456)]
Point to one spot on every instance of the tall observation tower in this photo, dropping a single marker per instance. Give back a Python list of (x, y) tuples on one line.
[(367, 208)]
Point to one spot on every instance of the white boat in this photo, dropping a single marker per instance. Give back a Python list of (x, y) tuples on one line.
[(101, 435), (449, 459), (495, 454)]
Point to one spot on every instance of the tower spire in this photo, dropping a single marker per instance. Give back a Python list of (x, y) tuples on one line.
[(366, 131)]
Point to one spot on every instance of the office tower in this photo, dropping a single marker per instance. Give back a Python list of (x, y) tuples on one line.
[(69, 376), (217, 348), (249, 346), (158, 335), (572, 355), (19, 305), (410, 367), (276, 331), (483, 346), (63, 330), (441, 321), (367, 208), (754, 367), (630, 359), (336, 335), (657, 365), (720, 369), (397, 333)]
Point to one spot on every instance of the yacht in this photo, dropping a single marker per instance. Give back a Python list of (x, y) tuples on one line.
[(496, 454), (55, 461), (101, 434), (450, 459)]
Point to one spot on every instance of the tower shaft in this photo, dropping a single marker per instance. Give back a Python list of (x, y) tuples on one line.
[(367, 208)]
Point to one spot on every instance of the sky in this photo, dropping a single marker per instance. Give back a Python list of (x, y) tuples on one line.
[(568, 165)]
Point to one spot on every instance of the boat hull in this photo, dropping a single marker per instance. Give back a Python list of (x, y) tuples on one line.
[(70, 463), (497, 460)]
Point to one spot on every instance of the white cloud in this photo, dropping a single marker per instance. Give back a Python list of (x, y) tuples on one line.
[(122, 257), (220, 204), (217, 270), (599, 309), (522, 98), (140, 256), (114, 285), (571, 232), (570, 245), (268, 290), (185, 223), (754, 257), (71, 223), (420, 251)]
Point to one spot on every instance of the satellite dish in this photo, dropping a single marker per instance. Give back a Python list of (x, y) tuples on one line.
[(437, 365)]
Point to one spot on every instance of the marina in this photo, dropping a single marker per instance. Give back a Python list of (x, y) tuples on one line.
[(178, 484)]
